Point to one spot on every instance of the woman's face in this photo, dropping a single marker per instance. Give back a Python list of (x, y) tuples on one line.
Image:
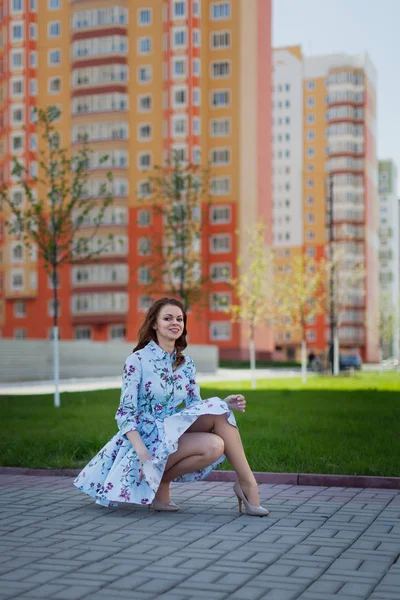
[(169, 324)]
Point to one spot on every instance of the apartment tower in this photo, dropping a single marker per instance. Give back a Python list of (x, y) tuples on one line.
[(139, 78), (324, 121)]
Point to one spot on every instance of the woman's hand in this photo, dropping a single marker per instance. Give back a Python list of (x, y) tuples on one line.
[(143, 456), (236, 402)]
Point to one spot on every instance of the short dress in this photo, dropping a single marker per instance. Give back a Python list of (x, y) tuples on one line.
[(161, 404)]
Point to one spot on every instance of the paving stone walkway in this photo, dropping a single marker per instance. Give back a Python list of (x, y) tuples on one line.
[(318, 543)]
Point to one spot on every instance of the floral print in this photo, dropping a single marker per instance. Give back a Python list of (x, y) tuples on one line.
[(161, 404)]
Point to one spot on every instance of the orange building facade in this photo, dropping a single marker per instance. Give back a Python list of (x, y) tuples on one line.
[(139, 78), (324, 122)]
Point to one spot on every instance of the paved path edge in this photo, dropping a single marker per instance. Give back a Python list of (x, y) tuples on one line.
[(312, 479)]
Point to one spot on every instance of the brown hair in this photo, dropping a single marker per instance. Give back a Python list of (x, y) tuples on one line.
[(147, 332)]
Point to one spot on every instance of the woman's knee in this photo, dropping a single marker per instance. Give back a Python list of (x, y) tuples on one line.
[(215, 446)]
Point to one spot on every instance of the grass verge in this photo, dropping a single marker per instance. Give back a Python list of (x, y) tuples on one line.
[(342, 425)]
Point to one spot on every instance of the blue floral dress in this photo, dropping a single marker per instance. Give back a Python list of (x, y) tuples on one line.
[(161, 404)]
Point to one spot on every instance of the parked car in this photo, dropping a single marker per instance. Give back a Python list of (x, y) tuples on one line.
[(350, 361)]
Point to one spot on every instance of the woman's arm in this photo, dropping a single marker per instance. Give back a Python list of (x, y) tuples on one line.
[(192, 387)]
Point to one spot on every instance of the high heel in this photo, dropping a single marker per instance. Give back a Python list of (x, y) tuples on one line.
[(164, 506), (256, 511)]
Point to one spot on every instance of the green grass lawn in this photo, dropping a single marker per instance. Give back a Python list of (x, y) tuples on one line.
[(347, 425)]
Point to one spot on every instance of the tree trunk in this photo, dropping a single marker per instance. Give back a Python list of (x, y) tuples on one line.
[(56, 359), (381, 359), (303, 360), (336, 353), (252, 362)]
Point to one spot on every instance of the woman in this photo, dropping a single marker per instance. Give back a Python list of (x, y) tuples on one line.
[(158, 440)]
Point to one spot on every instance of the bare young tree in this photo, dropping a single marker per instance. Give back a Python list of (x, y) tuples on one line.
[(178, 193), (300, 298), (348, 290), (63, 218), (254, 289)]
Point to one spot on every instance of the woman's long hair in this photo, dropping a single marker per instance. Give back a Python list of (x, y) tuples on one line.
[(147, 332)]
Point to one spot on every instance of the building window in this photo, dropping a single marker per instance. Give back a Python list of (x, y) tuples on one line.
[(220, 186), (196, 97), (144, 132), (17, 252), (196, 67), (54, 4), (144, 303), (220, 301), (220, 10), (33, 5), (144, 103), (221, 272), (220, 243), (311, 102), (17, 59), (54, 57), (179, 67), (145, 16), (82, 333), (220, 156), (19, 334), (144, 218), (220, 39), (144, 246), (144, 161), (116, 332), (179, 126), (220, 98), (220, 69), (33, 59), (310, 152), (179, 97), (17, 279), (54, 29), (33, 31), (196, 38), (144, 275), (144, 45), (16, 6), (179, 38), (17, 32), (54, 85), (180, 9), (220, 214), (220, 127), (144, 74), (310, 119), (220, 331), (19, 309)]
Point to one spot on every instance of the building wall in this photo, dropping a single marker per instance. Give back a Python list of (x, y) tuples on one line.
[(104, 298), (339, 136), (389, 259)]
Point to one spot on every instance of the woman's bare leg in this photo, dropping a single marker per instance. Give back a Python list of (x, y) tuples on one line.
[(234, 451), (195, 451)]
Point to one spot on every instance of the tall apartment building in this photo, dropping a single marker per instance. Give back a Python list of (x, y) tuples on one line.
[(389, 252), (324, 121), (140, 78)]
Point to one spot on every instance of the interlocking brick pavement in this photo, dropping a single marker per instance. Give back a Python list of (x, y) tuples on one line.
[(318, 543)]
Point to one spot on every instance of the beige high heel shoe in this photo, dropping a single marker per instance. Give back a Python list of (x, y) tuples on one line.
[(254, 511), (164, 506)]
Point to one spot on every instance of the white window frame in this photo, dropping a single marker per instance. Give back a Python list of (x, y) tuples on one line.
[(224, 18), (145, 110), (20, 309), (139, 157), (224, 338), (220, 91), (87, 328), (14, 24), (54, 35), (143, 10), (17, 52), (176, 59), (49, 83), (216, 207), (112, 338), (17, 11), (140, 137), (139, 50), (180, 29), (149, 69), (217, 236), (50, 52), (19, 272)]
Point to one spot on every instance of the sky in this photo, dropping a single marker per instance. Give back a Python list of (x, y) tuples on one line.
[(353, 27)]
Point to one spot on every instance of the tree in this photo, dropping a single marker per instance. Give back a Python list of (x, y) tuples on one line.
[(53, 219), (348, 275), (300, 298), (177, 192), (254, 288), (388, 327)]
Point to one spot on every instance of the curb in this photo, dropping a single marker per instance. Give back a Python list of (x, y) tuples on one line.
[(354, 481)]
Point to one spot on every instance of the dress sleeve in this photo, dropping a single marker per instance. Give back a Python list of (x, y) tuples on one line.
[(127, 413), (192, 387)]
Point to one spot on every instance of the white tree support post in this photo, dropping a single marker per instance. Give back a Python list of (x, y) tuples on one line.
[(253, 364), (56, 369), (380, 360), (336, 353), (303, 361)]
